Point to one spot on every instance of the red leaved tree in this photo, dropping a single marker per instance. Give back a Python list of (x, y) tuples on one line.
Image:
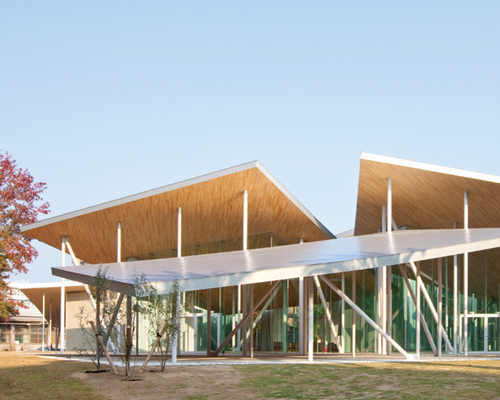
[(19, 199)]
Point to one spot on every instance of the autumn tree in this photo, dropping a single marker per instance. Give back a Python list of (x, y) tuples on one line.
[(20, 198)]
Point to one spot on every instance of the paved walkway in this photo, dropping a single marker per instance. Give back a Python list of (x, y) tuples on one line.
[(274, 359)]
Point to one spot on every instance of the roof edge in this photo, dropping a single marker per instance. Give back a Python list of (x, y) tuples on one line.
[(430, 167), (141, 195), (294, 200)]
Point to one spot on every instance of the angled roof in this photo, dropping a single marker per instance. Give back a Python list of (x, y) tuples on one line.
[(212, 209), (292, 261), (424, 196)]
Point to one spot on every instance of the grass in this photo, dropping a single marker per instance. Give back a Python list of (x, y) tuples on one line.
[(23, 376)]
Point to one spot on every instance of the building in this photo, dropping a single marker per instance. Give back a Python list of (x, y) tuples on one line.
[(261, 274)]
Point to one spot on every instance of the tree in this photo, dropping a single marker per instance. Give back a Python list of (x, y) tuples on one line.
[(20, 196)]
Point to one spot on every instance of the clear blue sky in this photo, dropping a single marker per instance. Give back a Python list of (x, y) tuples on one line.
[(106, 99)]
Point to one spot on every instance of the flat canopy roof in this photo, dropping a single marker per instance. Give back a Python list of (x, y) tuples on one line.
[(424, 196), (287, 262), (212, 210)]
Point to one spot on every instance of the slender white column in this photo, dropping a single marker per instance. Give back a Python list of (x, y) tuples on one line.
[(301, 316), (440, 306), (389, 306), (353, 327), (389, 205), (43, 321), (245, 220), (455, 300), (310, 325), (50, 325), (417, 339), (119, 243), (238, 334), (342, 313), (62, 319), (179, 232), (466, 276), (176, 338)]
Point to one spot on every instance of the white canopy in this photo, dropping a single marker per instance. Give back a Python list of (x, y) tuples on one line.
[(292, 261)]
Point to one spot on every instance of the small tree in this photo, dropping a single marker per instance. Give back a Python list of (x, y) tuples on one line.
[(19, 195), (163, 313)]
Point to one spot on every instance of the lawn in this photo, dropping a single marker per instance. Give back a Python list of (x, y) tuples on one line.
[(25, 376)]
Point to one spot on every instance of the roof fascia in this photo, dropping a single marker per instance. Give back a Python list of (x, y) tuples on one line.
[(430, 167)]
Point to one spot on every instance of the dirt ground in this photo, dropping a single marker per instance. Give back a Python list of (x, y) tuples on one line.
[(190, 382)]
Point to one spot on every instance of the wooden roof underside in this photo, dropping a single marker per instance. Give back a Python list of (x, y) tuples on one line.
[(424, 198), (212, 209)]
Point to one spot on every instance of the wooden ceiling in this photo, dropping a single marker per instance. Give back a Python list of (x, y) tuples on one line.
[(431, 197), (423, 199), (212, 209)]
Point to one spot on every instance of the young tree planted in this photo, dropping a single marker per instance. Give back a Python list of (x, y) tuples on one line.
[(20, 198)]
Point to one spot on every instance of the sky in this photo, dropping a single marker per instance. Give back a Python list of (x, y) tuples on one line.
[(102, 100)]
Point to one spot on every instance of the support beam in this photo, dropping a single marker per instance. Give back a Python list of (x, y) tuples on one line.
[(455, 300), (250, 290), (159, 336), (119, 243), (466, 278), (179, 232), (209, 322), (245, 220), (43, 321), (310, 322), (342, 312), (301, 316), (440, 306), (246, 317), (389, 204), (284, 317), (245, 325), (353, 326), (62, 319), (366, 317), (418, 311), (422, 319), (327, 313), (128, 336), (421, 288)]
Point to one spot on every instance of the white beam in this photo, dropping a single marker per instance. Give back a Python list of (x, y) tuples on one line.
[(43, 321), (328, 314), (301, 316), (179, 232), (119, 243), (440, 306), (418, 312), (245, 220), (455, 300), (366, 317), (310, 325), (62, 319), (421, 288), (389, 204), (466, 276)]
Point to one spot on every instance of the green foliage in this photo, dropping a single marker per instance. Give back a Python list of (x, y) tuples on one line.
[(163, 313)]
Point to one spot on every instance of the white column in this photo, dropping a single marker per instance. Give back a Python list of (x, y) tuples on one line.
[(417, 338), (466, 275), (245, 220), (440, 306), (342, 313), (353, 326), (43, 321), (62, 319), (301, 316), (119, 243), (389, 205), (179, 232), (310, 325), (384, 218), (455, 300), (238, 334)]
